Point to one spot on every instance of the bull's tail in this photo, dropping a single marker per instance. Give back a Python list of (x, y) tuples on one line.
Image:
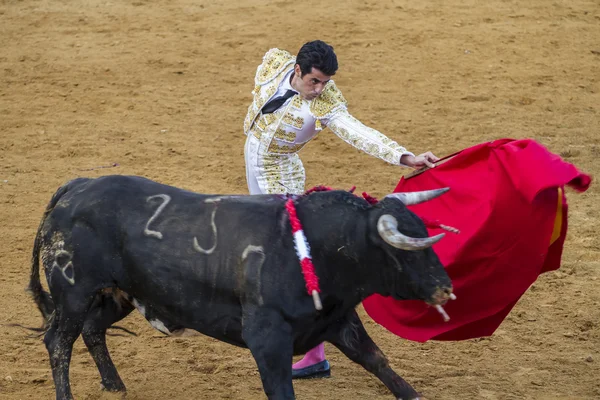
[(42, 298)]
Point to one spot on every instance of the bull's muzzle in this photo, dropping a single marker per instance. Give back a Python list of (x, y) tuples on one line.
[(439, 298)]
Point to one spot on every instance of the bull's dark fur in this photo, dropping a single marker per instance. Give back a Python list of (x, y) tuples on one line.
[(248, 292), (42, 298)]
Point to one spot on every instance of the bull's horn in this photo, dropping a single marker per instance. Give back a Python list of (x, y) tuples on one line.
[(410, 198), (387, 226)]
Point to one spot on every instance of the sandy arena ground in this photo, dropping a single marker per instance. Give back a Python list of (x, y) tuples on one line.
[(161, 88)]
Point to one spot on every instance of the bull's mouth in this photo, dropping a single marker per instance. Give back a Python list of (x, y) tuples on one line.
[(440, 298)]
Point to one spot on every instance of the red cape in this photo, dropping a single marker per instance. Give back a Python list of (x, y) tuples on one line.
[(507, 199)]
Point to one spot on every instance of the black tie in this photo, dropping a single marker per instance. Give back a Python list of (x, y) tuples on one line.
[(277, 102)]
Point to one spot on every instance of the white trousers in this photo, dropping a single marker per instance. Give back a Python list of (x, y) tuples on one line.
[(272, 174)]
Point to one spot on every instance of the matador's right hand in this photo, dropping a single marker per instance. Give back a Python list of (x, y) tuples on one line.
[(426, 159)]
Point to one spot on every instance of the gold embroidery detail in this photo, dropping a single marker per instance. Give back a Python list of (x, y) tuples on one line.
[(265, 120), (343, 133), (387, 156), (273, 176), (330, 98), (370, 148), (283, 174), (247, 122), (260, 102), (275, 148), (274, 63), (297, 101), (396, 147), (318, 125), (270, 118), (282, 134), (257, 105), (296, 122)]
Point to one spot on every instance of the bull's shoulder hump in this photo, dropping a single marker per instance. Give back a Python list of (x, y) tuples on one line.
[(136, 184), (123, 189)]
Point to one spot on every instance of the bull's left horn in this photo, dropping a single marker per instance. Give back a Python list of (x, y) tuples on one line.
[(387, 226), (410, 198)]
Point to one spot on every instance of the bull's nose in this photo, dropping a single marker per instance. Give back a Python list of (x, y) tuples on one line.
[(442, 295)]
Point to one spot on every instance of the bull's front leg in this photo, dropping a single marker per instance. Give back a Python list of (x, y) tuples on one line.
[(350, 336), (269, 338)]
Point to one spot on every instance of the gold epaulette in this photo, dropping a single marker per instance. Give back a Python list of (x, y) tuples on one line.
[(274, 62), (329, 100)]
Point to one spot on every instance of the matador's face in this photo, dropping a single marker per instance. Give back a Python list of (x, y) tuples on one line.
[(309, 85)]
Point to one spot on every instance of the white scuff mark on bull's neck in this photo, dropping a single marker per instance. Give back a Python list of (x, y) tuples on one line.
[(166, 199), (67, 261), (139, 307), (202, 250), (159, 326)]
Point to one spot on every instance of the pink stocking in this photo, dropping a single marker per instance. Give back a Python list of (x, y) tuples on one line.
[(313, 356)]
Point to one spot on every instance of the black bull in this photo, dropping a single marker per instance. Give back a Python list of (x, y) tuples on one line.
[(226, 266)]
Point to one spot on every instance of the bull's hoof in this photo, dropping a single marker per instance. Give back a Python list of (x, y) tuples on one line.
[(114, 387), (318, 370)]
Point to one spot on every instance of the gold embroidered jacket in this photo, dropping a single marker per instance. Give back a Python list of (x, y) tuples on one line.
[(288, 129)]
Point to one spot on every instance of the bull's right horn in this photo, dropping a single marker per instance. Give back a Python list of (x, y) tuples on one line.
[(410, 198), (387, 226)]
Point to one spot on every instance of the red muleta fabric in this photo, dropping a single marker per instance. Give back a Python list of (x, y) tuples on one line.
[(507, 199)]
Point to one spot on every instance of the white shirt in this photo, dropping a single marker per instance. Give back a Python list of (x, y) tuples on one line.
[(284, 86)]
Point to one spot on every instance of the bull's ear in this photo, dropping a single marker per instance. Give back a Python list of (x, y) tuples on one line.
[(410, 198)]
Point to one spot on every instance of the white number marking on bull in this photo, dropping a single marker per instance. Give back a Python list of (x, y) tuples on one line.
[(166, 200), (63, 269), (252, 271), (214, 229), (253, 249), (66, 261)]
